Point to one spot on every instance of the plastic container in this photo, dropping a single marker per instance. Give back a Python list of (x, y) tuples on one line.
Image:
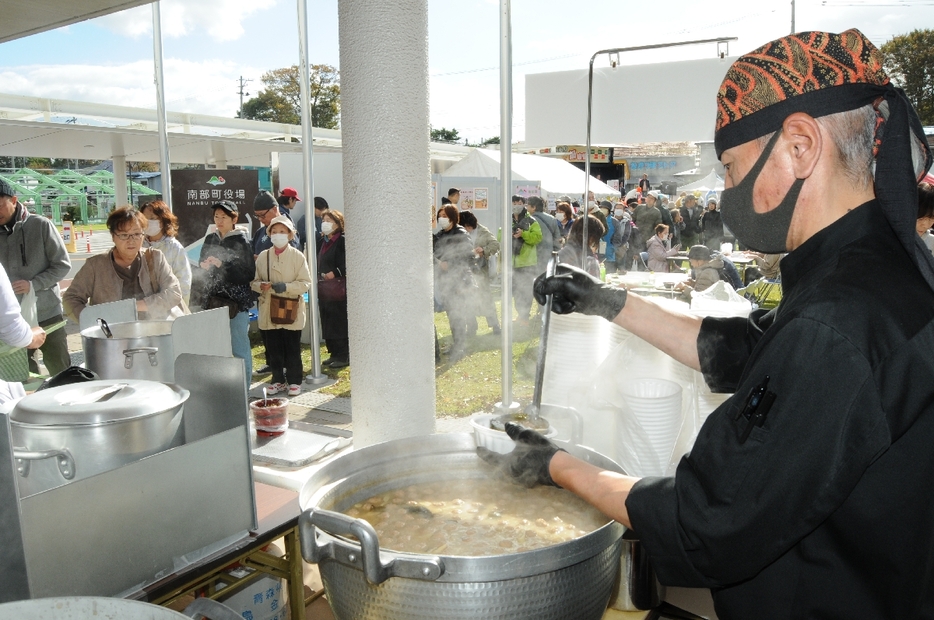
[(270, 415)]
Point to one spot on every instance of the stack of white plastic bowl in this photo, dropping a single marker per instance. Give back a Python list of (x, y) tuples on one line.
[(647, 431)]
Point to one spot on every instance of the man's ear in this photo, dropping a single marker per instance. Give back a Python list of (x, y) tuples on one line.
[(804, 143)]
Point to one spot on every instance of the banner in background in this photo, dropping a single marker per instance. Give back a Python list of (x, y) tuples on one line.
[(195, 191)]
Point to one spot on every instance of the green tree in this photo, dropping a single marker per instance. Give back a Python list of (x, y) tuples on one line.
[(909, 61), (445, 135), (280, 101)]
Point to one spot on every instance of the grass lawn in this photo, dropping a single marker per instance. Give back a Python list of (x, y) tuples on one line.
[(469, 386)]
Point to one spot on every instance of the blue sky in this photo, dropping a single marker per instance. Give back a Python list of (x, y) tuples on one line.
[(208, 44)]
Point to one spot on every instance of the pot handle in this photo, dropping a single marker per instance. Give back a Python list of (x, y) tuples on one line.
[(129, 353), (66, 462), (410, 566)]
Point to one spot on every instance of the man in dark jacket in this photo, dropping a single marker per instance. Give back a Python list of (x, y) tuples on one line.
[(34, 256), (691, 212), (807, 494)]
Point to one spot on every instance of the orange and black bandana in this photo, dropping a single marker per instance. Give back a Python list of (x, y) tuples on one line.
[(818, 73), (821, 73)]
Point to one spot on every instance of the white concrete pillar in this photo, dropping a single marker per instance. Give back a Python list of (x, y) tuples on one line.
[(120, 193), (387, 185)]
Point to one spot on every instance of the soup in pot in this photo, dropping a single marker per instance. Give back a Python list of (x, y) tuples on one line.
[(476, 517)]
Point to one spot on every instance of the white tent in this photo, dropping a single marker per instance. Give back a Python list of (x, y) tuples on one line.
[(556, 175), (710, 183)]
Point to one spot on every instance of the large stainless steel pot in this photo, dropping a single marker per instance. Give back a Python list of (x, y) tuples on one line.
[(564, 581), (101, 608), (137, 350), (85, 608), (77, 431)]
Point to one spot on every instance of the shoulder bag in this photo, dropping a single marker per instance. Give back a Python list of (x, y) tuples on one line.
[(282, 310)]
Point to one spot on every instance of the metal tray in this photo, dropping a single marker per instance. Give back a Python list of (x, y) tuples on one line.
[(301, 445)]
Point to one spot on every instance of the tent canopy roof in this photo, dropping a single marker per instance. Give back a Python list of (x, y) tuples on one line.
[(25, 17), (710, 183), (556, 175)]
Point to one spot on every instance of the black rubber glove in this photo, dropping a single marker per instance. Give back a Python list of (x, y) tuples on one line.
[(528, 463), (576, 290), (279, 287)]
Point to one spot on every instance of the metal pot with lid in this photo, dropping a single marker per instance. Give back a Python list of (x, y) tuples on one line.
[(135, 350), (572, 579), (80, 430)]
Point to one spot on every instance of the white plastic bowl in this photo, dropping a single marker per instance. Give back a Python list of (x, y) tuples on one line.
[(492, 439)]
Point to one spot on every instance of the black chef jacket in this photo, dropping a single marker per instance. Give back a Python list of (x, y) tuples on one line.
[(827, 509)]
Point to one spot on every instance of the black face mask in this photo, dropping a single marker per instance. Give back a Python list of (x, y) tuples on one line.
[(762, 232)]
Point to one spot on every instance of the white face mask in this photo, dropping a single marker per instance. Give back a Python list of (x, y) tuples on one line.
[(559, 216), (279, 240), (327, 227), (618, 213), (443, 223), (153, 228)]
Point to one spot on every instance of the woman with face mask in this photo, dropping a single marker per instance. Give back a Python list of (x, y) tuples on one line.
[(453, 255), (226, 270), (281, 270), (161, 228), (332, 289), (565, 218)]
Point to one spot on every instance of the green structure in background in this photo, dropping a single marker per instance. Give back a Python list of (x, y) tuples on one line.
[(89, 198)]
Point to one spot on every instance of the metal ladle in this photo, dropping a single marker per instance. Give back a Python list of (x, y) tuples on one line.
[(531, 417)]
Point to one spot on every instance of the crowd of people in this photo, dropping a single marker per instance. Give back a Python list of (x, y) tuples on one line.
[(149, 265), (639, 231)]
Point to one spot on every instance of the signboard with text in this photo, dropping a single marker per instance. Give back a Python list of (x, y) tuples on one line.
[(195, 191), (598, 154)]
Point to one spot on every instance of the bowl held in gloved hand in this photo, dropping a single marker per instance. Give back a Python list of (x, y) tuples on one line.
[(528, 463)]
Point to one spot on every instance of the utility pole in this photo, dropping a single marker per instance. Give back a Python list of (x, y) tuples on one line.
[(792, 20), (243, 84)]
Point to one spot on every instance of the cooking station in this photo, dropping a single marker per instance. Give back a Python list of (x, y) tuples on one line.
[(96, 477)]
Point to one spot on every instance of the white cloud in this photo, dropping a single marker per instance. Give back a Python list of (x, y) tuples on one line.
[(200, 87), (222, 20)]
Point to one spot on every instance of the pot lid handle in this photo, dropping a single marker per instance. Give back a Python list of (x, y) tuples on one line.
[(98, 396), (105, 328)]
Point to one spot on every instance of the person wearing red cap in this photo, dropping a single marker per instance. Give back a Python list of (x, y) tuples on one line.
[(291, 194), (286, 200), (810, 492)]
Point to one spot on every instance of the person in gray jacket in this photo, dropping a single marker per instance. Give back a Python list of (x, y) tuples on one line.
[(705, 271), (34, 256), (551, 231)]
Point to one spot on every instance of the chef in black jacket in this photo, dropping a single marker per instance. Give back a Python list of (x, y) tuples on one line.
[(810, 492)]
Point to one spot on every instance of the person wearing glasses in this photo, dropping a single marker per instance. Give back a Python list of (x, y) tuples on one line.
[(125, 273)]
